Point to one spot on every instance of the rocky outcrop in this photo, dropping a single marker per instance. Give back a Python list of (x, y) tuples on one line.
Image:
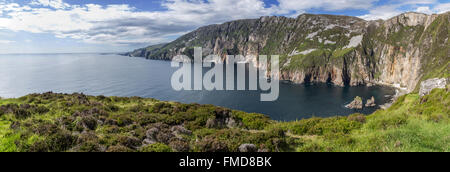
[(371, 102), (248, 148), (427, 86), (357, 103), (342, 50), (223, 119)]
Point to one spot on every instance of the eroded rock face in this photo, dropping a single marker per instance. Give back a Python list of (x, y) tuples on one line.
[(371, 102), (324, 48), (357, 103), (427, 86)]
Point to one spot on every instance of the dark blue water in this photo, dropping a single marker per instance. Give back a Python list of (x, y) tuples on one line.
[(114, 75)]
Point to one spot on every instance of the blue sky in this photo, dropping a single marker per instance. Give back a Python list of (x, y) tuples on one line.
[(74, 26)]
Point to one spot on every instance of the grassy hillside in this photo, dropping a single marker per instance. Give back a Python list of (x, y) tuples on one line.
[(61, 122)]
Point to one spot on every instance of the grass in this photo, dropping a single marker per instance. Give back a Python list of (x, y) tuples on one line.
[(411, 124), (114, 124)]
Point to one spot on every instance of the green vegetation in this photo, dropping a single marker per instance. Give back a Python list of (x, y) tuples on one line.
[(60, 122), (436, 62)]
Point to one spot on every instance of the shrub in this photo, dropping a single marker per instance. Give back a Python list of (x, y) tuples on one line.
[(161, 107), (45, 129), (60, 141), (179, 145), (39, 146), (138, 108), (40, 110), (21, 113), (87, 137), (124, 120), (87, 122), (252, 120), (156, 147), (9, 108), (357, 117), (89, 146), (130, 142), (112, 108), (212, 144), (119, 148)]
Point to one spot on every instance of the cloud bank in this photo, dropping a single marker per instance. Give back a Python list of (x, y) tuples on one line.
[(126, 25)]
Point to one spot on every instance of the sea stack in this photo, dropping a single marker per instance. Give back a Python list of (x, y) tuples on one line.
[(357, 103), (371, 102)]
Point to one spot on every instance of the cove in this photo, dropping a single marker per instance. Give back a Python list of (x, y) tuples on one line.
[(114, 75)]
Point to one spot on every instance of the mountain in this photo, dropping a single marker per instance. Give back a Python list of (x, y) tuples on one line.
[(400, 52)]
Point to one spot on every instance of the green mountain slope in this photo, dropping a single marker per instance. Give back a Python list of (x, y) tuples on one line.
[(61, 122)]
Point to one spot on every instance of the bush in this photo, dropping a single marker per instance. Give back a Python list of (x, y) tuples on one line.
[(60, 141), (21, 113), (161, 107), (179, 145), (357, 117), (89, 146), (156, 147), (212, 144), (119, 148), (87, 123), (87, 137), (45, 129), (252, 120), (124, 120), (40, 110), (112, 108), (130, 142)]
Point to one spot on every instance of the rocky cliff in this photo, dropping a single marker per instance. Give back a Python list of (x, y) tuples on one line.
[(401, 51)]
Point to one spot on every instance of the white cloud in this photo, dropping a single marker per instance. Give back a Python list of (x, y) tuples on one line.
[(57, 4), (398, 7), (382, 12), (329, 5), (425, 9), (124, 24), (442, 8)]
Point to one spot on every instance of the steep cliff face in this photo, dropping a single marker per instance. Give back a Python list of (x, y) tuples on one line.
[(343, 50)]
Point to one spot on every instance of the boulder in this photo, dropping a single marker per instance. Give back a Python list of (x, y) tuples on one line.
[(357, 103), (371, 102), (248, 148), (430, 84), (178, 131)]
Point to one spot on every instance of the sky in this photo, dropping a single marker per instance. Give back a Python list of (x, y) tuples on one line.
[(86, 26)]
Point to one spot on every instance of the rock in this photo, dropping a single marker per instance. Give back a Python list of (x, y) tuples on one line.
[(88, 123), (222, 119), (178, 131), (371, 102), (248, 148), (148, 142), (428, 85), (357, 103), (130, 142), (263, 150), (152, 133)]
